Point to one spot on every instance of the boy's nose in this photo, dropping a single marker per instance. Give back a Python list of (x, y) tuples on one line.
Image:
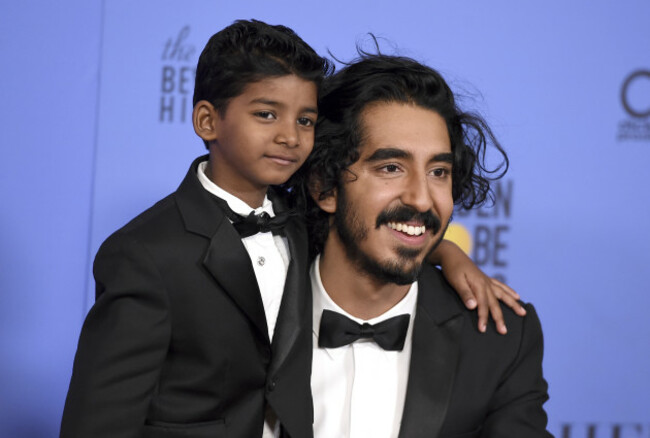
[(288, 135)]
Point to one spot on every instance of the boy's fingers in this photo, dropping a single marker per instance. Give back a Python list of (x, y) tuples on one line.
[(508, 296), (483, 308), (497, 315), (496, 284), (468, 298), (512, 302)]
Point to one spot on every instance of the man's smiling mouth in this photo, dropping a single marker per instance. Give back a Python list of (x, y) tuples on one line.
[(407, 229)]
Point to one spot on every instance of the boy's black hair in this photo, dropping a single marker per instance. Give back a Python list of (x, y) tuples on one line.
[(339, 132), (248, 51)]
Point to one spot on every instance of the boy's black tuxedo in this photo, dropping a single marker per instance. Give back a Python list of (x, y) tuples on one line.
[(176, 344), (464, 384)]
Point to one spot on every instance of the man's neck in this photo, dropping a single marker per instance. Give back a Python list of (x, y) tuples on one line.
[(354, 290)]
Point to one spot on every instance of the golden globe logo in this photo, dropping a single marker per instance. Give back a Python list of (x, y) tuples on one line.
[(635, 94), (635, 100)]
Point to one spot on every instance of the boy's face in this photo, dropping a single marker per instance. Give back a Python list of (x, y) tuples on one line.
[(264, 136)]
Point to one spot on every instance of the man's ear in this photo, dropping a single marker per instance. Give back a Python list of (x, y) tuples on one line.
[(204, 119), (326, 201)]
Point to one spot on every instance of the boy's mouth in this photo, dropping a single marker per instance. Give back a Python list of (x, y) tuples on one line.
[(282, 160)]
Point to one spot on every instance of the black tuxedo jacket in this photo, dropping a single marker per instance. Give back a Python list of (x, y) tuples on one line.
[(465, 384), (177, 344)]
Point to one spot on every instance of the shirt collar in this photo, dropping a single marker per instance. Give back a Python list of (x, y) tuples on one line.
[(235, 204)]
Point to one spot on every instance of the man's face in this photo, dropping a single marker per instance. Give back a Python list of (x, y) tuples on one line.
[(396, 201)]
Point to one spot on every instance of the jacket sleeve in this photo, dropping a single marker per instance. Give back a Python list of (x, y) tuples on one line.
[(122, 345), (517, 405)]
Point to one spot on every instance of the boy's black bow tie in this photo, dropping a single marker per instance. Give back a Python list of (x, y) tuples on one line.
[(255, 223), (337, 330), (260, 223)]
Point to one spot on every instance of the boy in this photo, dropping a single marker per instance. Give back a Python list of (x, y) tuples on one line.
[(202, 324)]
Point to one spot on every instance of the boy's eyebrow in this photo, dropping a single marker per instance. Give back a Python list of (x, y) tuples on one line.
[(270, 102), (388, 153)]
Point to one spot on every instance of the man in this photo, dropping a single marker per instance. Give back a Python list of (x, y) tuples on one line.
[(395, 351)]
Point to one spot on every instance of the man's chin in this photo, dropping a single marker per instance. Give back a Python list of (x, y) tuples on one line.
[(398, 272)]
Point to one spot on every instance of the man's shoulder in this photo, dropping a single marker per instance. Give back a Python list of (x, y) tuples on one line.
[(438, 296)]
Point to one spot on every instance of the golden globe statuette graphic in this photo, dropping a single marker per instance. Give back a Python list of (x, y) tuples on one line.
[(458, 234), (484, 232)]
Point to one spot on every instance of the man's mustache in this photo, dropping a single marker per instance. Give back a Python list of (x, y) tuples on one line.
[(405, 214)]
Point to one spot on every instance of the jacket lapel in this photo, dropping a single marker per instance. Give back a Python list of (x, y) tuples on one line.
[(226, 258), (290, 365), (434, 357), (230, 265), (296, 302)]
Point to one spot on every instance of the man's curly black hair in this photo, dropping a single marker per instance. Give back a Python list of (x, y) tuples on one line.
[(374, 78)]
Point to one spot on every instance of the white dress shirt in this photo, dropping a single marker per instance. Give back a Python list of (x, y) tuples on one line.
[(358, 389), (270, 257)]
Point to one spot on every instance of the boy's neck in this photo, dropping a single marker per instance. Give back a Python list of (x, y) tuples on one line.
[(252, 196)]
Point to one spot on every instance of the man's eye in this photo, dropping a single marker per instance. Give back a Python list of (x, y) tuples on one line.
[(390, 168), (305, 121), (440, 172)]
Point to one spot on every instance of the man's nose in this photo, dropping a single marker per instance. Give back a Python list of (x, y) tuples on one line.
[(417, 193)]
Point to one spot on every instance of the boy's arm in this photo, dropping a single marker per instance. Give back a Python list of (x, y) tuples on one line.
[(122, 345), (474, 287)]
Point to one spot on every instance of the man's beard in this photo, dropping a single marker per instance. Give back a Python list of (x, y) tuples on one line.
[(352, 232)]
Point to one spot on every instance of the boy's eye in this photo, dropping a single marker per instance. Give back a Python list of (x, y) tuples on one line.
[(268, 115), (305, 121)]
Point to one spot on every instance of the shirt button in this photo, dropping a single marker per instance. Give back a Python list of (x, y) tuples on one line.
[(261, 261), (271, 385)]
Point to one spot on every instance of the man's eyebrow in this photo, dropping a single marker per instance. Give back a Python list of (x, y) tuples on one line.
[(446, 157), (387, 154), (275, 103)]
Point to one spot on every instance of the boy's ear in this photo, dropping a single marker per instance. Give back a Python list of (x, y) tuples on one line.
[(326, 201), (204, 119)]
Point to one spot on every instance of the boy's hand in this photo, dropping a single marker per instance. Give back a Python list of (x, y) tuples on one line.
[(474, 287), (478, 290)]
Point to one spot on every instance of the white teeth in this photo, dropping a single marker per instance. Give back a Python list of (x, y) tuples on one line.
[(408, 229)]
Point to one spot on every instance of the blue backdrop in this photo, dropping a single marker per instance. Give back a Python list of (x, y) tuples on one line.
[(96, 99)]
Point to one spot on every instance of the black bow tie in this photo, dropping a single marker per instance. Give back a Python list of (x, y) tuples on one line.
[(337, 330), (255, 223)]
